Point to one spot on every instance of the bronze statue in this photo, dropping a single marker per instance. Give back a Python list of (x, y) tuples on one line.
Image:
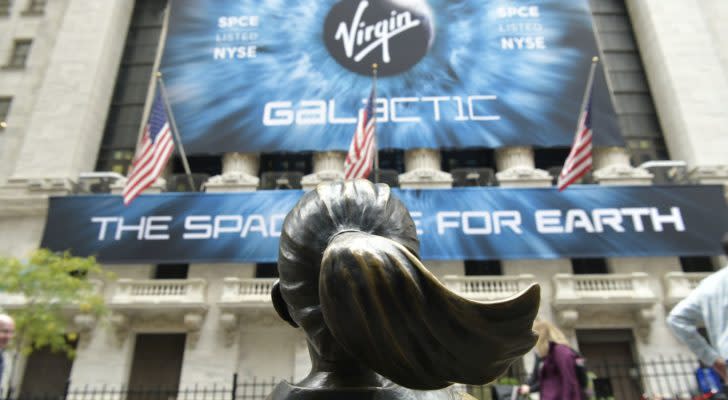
[(379, 325)]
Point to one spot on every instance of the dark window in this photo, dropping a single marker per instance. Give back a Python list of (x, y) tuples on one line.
[(696, 264), (21, 50), (4, 111), (284, 170), (286, 162), (35, 7), (5, 7), (470, 158), (171, 271), (202, 167), (46, 373), (266, 270), (589, 266), (483, 267), (551, 160), (472, 167), (156, 365), (392, 160), (124, 119), (610, 356), (627, 81)]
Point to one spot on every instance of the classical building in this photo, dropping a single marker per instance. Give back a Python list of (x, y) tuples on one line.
[(74, 84)]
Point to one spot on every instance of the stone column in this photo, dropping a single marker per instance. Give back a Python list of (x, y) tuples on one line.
[(516, 168), (422, 170), (67, 120), (239, 174), (683, 59), (612, 167), (327, 166)]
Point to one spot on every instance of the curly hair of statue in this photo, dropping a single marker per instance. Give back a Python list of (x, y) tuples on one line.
[(378, 324)]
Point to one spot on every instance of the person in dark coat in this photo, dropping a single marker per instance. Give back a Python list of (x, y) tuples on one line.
[(557, 376)]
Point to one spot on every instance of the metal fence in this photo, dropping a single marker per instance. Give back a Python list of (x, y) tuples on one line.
[(662, 378)]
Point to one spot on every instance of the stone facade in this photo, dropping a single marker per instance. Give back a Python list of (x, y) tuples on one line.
[(60, 102)]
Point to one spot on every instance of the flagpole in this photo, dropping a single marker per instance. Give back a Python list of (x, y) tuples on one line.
[(175, 132), (376, 145), (589, 81)]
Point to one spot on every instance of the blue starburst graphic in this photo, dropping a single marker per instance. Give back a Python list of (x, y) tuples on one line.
[(256, 76)]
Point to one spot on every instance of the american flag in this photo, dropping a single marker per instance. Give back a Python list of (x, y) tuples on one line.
[(360, 160), (579, 160), (156, 147)]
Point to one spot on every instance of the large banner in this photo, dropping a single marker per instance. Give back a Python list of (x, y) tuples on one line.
[(455, 224), (265, 76)]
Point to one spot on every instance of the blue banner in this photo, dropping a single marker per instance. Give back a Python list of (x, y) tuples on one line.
[(454, 224), (266, 76)]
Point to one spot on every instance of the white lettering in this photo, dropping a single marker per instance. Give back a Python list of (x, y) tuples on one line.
[(232, 53), (198, 223), (675, 218), (120, 227), (322, 112), (395, 102), (220, 221), (416, 217), (104, 221), (254, 223), (636, 213), (238, 21), (523, 43), (151, 226), (549, 221), (510, 219), (359, 34)]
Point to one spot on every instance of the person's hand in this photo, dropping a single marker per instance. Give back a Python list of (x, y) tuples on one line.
[(524, 389), (720, 366)]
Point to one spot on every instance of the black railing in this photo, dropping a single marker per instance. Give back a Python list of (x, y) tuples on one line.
[(662, 378)]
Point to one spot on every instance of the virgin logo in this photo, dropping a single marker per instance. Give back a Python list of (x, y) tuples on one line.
[(358, 34), (396, 34)]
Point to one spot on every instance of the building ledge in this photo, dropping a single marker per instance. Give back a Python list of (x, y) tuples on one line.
[(576, 296), (487, 288), (679, 284)]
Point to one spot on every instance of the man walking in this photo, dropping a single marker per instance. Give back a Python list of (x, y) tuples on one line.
[(7, 330), (707, 304)]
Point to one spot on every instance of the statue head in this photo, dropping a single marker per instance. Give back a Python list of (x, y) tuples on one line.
[(351, 278)]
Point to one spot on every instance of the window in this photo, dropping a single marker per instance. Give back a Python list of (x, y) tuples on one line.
[(266, 270), (483, 267), (171, 271), (4, 110), (589, 266), (35, 7), (467, 158), (135, 73), (5, 7), (552, 160), (696, 264), (19, 56), (627, 82)]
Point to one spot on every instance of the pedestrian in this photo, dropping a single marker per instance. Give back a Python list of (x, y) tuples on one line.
[(706, 305), (557, 378), (7, 330)]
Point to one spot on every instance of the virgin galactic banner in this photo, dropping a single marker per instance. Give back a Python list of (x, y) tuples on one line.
[(455, 224), (267, 76)]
